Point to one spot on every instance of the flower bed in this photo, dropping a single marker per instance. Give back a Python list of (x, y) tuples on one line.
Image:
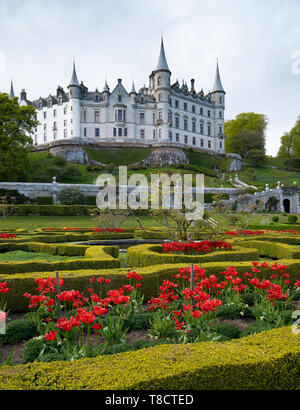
[(146, 255), (186, 311), (195, 248), (7, 236)]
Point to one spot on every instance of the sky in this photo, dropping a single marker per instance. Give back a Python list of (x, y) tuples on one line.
[(257, 44)]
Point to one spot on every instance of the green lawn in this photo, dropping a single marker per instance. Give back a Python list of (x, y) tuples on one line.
[(32, 222), (19, 256)]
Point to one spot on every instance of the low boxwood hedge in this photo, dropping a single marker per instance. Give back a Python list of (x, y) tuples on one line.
[(146, 255), (269, 360), (152, 278), (273, 249), (94, 257)]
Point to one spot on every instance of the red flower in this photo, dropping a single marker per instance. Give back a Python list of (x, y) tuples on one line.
[(52, 335), (97, 326), (100, 311)]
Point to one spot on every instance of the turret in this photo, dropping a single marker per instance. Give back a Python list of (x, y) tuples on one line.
[(218, 96), (133, 95), (160, 89), (106, 93), (218, 93), (11, 93), (75, 94)]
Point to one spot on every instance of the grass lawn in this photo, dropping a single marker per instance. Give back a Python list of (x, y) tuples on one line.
[(32, 222), (19, 256)]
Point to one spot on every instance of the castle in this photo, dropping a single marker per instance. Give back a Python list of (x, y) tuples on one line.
[(163, 113)]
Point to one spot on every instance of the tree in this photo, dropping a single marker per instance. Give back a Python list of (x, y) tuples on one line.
[(16, 125), (286, 148), (246, 132)]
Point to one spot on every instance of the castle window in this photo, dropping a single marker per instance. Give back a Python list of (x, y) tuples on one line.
[(115, 132), (45, 114), (120, 132), (65, 123), (201, 143), (125, 132), (176, 103), (142, 100), (158, 81), (97, 132), (65, 133), (96, 97), (185, 139), (209, 130), (84, 116), (142, 133), (65, 110), (220, 100), (84, 132), (153, 116), (120, 98), (185, 106), (159, 98), (54, 126), (193, 109), (120, 116), (170, 102), (170, 135), (177, 137), (159, 133), (45, 136), (160, 114), (221, 145), (35, 139), (220, 129), (194, 141), (154, 135), (201, 111), (97, 116), (142, 118), (208, 113), (54, 135), (194, 126), (45, 127), (185, 124), (220, 114), (209, 144), (176, 122)]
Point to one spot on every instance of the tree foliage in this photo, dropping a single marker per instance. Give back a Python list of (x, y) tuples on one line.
[(246, 133), (16, 125), (290, 142)]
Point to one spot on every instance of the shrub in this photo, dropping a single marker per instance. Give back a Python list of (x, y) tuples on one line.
[(71, 174), (14, 196), (90, 200), (140, 321), (271, 358), (51, 357), (44, 200), (228, 312), (17, 331), (71, 196), (292, 219), (275, 219), (32, 349), (228, 330)]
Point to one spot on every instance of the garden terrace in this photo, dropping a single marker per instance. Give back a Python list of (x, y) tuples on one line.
[(271, 358)]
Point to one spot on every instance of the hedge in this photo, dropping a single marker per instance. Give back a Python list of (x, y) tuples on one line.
[(266, 361), (52, 210), (69, 237), (288, 239), (152, 278), (275, 226), (274, 249), (96, 257), (146, 255)]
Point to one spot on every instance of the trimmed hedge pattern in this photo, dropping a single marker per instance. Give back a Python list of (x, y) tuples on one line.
[(146, 255), (269, 360), (94, 257)]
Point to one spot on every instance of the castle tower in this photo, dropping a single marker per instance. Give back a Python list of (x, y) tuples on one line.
[(160, 88), (11, 93), (218, 96), (75, 95)]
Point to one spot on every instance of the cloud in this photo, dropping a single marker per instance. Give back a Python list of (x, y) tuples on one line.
[(253, 41)]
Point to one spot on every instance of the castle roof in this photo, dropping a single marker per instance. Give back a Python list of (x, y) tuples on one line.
[(74, 79), (217, 84), (162, 61)]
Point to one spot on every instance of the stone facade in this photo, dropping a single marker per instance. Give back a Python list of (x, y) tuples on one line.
[(162, 112)]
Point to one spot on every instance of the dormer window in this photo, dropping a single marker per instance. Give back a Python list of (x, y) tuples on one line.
[(142, 101), (96, 97), (120, 98), (60, 100)]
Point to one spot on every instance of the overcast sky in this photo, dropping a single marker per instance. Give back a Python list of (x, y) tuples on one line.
[(254, 41)]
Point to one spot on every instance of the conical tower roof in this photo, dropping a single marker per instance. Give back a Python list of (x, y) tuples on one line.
[(162, 61), (74, 79), (217, 84), (11, 93)]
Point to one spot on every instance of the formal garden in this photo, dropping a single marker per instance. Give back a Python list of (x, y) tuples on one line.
[(165, 303)]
